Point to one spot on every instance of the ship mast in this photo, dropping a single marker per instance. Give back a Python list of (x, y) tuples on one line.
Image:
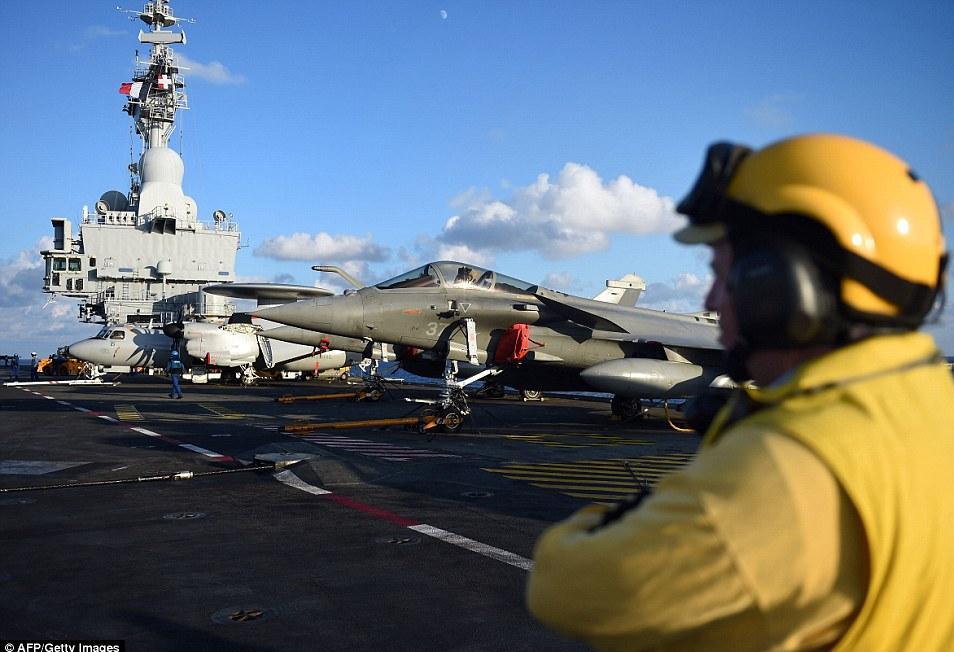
[(145, 256), (156, 92), (161, 88)]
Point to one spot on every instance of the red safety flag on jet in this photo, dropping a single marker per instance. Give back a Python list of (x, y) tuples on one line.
[(125, 87)]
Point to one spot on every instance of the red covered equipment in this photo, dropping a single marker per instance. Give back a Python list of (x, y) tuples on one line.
[(514, 344)]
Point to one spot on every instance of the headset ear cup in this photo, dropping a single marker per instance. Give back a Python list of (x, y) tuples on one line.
[(782, 299)]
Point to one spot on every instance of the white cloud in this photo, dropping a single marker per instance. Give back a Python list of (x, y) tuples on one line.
[(90, 35), (563, 281), (101, 31), (213, 72), (574, 214), (426, 249), (28, 319), (685, 293), (465, 254), (774, 111), (322, 248)]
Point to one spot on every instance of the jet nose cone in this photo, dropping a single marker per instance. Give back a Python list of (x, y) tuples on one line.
[(300, 313), (339, 315)]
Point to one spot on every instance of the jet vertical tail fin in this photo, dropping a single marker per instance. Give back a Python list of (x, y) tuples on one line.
[(622, 292)]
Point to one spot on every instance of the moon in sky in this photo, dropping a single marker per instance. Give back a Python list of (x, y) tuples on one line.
[(443, 14)]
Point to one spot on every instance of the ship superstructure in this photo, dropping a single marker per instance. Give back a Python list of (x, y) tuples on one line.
[(144, 255)]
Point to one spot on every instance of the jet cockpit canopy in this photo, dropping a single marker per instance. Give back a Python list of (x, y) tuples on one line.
[(448, 273)]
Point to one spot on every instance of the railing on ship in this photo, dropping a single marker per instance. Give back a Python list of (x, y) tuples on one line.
[(127, 218)]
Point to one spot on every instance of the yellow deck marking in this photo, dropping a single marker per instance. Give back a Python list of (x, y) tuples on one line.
[(127, 412), (221, 412), (578, 440), (598, 497), (601, 480), (591, 480)]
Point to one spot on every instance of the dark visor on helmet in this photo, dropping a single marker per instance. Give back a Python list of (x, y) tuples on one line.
[(706, 200)]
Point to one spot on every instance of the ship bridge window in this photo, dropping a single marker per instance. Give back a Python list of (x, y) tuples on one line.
[(59, 264), (92, 261), (75, 265), (118, 335), (422, 277)]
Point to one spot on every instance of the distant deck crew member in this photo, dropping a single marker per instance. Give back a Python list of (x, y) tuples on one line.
[(816, 515), (175, 369), (34, 367)]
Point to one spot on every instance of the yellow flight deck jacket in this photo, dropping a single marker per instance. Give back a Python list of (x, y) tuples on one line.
[(822, 520)]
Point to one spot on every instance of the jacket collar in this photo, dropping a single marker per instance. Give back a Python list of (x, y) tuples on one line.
[(870, 357)]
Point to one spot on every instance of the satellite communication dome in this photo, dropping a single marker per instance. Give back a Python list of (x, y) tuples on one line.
[(114, 200)]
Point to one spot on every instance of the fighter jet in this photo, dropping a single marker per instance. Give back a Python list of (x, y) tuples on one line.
[(235, 347), (622, 291), (532, 337)]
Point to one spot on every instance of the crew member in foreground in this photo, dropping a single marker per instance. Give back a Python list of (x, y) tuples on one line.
[(817, 512)]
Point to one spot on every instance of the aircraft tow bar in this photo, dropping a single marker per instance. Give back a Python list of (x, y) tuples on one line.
[(373, 390), (447, 414)]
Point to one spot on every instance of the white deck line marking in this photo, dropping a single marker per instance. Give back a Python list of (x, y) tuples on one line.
[(81, 409), (474, 546), (64, 403), (292, 480), (107, 418), (147, 432), (52, 398), (289, 478), (203, 451)]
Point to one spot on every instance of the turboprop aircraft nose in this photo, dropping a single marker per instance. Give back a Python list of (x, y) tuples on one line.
[(89, 350), (340, 315)]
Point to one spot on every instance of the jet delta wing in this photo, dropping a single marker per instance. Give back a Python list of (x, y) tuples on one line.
[(540, 338)]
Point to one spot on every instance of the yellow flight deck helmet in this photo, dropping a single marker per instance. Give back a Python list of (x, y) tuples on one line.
[(889, 249)]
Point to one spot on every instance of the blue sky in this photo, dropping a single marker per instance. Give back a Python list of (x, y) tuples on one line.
[(381, 135)]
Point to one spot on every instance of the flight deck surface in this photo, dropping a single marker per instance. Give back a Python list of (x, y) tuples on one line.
[(384, 539)]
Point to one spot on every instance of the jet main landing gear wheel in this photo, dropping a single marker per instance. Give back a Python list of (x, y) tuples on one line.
[(626, 408)]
